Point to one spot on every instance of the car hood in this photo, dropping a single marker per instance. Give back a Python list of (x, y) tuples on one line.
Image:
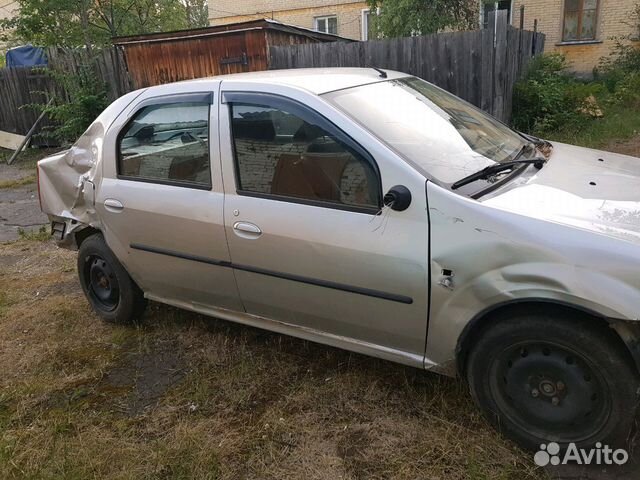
[(589, 189)]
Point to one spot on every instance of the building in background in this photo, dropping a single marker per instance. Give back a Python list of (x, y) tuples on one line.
[(7, 10), (346, 18), (583, 30)]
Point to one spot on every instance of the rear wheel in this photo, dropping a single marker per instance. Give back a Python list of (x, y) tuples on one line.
[(543, 379), (108, 287)]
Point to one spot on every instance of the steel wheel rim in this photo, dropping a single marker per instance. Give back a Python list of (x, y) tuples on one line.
[(102, 284), (550, 391)]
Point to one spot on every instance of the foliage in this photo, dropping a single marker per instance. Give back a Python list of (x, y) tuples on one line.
[(86, 98), (619, 71), (197, 13), (549, 98), (41, 235), (403, 18), (550, 102), (89, 23)]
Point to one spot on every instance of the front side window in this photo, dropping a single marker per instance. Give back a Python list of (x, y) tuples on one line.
[(580, 20), (440, 133), (167, 143), (293, 155), (328, 24)]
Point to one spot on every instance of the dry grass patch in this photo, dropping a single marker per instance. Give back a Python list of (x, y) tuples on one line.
[(183, 396), (19, 182)]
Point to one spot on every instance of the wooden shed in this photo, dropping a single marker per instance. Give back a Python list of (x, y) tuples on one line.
[(157, 58)]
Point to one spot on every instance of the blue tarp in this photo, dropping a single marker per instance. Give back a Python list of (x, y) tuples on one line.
[(26, 56)]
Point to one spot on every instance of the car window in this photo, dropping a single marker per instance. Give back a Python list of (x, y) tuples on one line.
[(167, 143), (280, 154), (440, 133)]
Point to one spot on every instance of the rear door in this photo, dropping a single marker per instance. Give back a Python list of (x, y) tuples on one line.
[(309, 240), (161, 200)]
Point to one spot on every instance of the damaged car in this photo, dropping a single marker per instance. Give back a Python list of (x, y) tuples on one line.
[(372, 211)]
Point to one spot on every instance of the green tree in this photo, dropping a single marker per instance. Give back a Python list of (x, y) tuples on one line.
[(403, 18), (92, 23), (197, 13)]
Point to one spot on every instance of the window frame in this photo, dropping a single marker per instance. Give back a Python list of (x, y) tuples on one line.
[(326, 19), (195, 97), (272, 100), (579, 28), (364, 24)]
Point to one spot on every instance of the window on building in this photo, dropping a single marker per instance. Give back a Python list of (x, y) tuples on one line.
[(368, 28), (579, 20), (327, 24), (288, 156), (167, 143), (489, 6)]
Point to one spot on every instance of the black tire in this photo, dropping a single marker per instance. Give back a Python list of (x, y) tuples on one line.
[(110, 290), (541, 378)]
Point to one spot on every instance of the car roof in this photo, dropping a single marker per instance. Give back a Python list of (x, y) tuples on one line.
[(315, 80)]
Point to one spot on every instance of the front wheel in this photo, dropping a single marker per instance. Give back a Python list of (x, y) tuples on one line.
[(107, 285), (542, 379)]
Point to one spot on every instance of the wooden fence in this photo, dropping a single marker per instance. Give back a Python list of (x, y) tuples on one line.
[(480, 66), (23, 88)]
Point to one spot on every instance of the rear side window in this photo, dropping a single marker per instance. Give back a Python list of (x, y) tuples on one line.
[(167, 143), (293, 155)]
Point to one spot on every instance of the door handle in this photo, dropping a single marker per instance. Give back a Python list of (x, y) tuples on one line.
[(246, 230), (113, 205)]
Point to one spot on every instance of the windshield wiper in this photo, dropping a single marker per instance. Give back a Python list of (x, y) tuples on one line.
[(539, 142), (523, 150), (497, 168)]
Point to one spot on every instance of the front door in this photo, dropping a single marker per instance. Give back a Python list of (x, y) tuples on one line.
[(309, 240), (162, 202)]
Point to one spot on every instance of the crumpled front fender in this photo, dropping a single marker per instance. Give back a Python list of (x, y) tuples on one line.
[(483, 257)]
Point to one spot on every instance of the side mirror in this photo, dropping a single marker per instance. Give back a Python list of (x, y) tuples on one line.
[(398, 198)]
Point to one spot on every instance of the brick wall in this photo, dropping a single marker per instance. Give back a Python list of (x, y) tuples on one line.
[(8, 8), (613, 21), (297, 12)]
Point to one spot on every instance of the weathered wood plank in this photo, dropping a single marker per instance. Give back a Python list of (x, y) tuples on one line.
[(479, 66), (10, 140)]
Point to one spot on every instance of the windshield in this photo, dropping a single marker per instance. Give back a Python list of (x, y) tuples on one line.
[(444, 135)]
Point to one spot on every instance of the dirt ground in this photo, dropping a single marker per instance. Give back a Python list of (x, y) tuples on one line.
[(627, 147), (185, 396), (19, 206)]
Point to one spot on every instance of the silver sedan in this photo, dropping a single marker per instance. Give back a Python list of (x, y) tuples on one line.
[(375, 212)]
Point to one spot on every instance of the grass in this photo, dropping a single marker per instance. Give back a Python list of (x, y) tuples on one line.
[(184, 396), (27, 159), (619, 122), (19, 182), (41, 235)]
